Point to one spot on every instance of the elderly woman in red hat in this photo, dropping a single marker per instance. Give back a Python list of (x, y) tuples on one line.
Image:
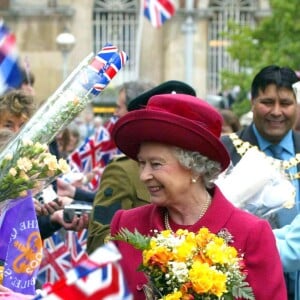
[(175, 140)]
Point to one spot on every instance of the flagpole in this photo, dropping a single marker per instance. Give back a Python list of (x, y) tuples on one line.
[(139, 39), (27, 70), (188, 28)]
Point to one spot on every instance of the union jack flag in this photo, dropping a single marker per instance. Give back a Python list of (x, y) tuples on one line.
[(98, 74), (158, 11), (101, 59), (10, 73), (110, 70), (62, 251), (96, 277), (95, 152)]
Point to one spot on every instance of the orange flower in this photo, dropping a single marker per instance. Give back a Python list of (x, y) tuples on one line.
[(160, 259)]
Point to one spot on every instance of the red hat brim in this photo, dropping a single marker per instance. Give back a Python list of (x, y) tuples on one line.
[(141, 126)]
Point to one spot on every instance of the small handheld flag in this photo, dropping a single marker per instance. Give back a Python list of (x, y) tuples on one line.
[(158, 11)]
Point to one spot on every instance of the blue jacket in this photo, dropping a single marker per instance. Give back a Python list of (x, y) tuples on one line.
[(288, 243)]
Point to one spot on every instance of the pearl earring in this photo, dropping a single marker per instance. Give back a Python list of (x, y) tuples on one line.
[(194, 180)]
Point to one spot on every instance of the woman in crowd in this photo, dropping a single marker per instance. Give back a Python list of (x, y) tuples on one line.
[(176, 141), (231, 121)]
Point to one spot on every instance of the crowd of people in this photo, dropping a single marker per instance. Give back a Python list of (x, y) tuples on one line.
[(173, 146)]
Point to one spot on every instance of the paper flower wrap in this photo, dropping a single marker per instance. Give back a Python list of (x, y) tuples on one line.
[(81, 87), (296, 88), (257, 185)]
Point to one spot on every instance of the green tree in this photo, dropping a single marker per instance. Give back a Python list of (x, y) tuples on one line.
[(273, 41)]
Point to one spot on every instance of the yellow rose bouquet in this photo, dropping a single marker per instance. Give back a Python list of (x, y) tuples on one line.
[(23, 166), (187, 265), (85, 84), (30, 168), (26, 167)]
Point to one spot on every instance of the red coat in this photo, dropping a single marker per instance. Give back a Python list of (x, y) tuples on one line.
[(252, 236)]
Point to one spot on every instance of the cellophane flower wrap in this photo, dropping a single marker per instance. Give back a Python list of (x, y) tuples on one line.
[(296, 89), (25, 164), (187, 265), (258, 184)]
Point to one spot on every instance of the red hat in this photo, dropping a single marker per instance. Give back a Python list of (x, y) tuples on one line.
[(176, 119)]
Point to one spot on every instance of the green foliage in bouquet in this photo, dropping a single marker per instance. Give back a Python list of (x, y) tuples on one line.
[(137, 240), (28, 168), (187, 265)]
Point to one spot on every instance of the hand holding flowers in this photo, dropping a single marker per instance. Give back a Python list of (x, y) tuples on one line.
[(187, 265)]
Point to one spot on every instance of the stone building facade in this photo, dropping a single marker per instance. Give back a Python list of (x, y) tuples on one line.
[(188, 47)]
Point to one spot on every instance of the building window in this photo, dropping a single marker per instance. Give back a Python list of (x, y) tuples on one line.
[(29, 3), (116, 22), (239, 11)]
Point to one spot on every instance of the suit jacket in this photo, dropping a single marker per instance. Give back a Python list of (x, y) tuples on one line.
[(120, 188), (252, 236), (248, 135)]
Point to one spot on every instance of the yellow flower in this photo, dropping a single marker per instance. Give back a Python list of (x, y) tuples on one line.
[(219, 284), (43, 147), (166, 233), (8, 156), (63, 166), (24, 164), (153, 243), (23, 194), (38, 185), (186, 250), (201, 277), (23, 175), (173, 296), (12, 171), (51, 162), (206, 279), (50, 173), (27, 142), (218, 251), (203, 237), (76, 101)]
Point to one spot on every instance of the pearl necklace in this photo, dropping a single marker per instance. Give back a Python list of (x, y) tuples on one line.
[(202, 212)]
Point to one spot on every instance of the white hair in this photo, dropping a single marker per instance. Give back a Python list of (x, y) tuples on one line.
[(199, 164)]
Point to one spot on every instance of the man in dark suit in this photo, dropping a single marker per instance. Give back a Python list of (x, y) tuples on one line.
[(274, 107)]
